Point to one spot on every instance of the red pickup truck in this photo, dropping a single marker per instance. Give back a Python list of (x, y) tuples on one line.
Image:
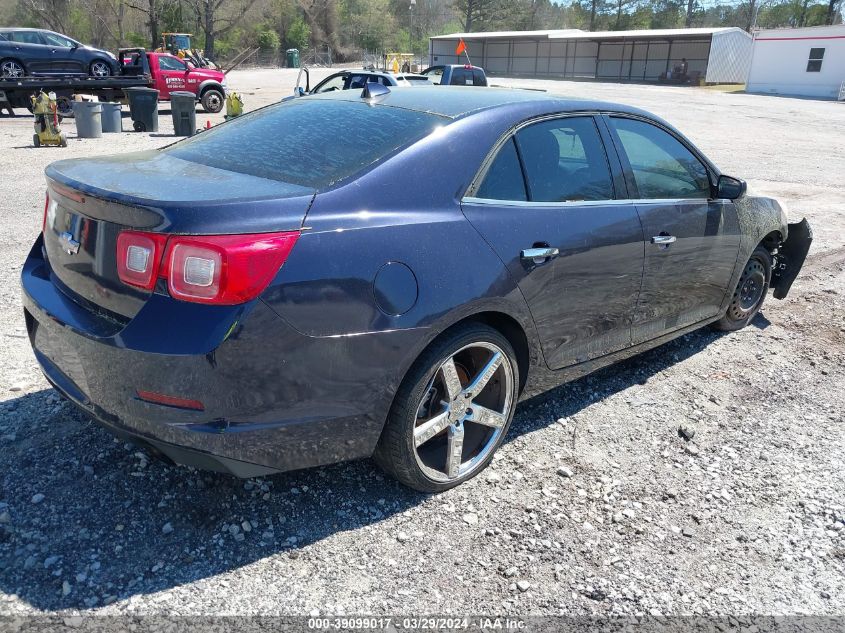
[(169, 73), (137, 67)]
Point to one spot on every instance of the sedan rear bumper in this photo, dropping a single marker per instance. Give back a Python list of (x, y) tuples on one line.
[(273, 399)]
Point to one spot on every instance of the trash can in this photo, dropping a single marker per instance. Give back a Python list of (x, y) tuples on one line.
[(112, 121), (292, 57), (183, 108), (88, 116), (143, 108)]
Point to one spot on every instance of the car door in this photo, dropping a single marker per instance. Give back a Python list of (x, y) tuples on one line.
[(566, 233), (174, 73), (691, 239), (29, 48), (65, 55)]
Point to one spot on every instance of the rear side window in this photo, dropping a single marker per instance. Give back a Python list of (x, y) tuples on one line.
[(25, 37), (565, 161), (662, 166), (504, 180), (310, 142), (461, 77)]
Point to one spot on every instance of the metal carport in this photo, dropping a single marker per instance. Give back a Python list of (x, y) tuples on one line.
[(718, 55)]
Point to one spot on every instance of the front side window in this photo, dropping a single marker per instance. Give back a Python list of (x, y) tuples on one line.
[(331, 84), (814, 64), (504, 180), (662, 166), (54, 39), (435, 75), (565, 161), (171, 63)]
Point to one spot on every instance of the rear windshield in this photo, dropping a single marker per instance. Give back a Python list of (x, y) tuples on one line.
[(307, 142)]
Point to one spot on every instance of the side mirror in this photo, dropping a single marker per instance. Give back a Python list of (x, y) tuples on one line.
[(730, 188)]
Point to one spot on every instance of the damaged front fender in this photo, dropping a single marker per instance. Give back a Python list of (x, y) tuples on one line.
[(790, 257)]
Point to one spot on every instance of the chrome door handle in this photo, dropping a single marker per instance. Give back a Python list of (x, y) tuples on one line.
[(539, 253), (663, 239)]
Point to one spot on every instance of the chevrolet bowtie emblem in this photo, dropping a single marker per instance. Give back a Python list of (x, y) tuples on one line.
[(70, 245)]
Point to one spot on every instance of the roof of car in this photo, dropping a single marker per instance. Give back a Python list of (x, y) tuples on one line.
[(459, 101)]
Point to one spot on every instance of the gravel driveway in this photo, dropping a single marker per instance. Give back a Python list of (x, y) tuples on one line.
[(704, 477)]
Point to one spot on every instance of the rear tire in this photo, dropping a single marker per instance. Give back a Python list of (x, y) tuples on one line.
[(452, 411), (212, 101), (750, 292), (12, 69)]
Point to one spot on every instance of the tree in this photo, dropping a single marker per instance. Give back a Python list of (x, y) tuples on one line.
[(215, 23)]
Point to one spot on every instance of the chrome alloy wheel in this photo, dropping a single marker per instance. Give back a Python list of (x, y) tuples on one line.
[(463, 412), (12, 69), (100, 69)]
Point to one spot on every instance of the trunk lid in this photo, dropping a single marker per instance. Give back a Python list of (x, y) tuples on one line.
[(92, 200)]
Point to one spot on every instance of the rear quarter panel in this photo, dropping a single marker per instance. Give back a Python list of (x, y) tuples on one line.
[(406, 210)]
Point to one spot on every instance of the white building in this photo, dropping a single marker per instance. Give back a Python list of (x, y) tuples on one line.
[(716, 55), (807, 62)]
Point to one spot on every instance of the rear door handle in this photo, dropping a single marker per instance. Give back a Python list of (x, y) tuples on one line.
[(539, 255), (664, 239)]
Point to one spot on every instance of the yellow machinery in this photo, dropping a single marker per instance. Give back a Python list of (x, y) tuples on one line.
[(179, 44), (47, 130), (234, 105), (399, 62)]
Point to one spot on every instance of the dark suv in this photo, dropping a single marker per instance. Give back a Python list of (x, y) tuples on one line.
[(39, 52)]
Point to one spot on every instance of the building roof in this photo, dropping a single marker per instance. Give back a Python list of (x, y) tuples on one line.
[(578, 34)]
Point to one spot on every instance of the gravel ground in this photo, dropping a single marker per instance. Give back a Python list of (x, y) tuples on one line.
[(596, 504)]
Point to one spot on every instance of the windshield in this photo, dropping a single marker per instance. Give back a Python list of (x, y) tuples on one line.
[(182, 42), (308, 142)]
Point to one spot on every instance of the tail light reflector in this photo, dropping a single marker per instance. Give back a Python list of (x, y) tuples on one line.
[(46, 206), (170, 401), (216, 269)]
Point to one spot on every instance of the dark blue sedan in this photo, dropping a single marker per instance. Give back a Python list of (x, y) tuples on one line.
[(363, 274)]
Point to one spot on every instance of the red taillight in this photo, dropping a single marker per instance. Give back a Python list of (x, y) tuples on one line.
[(218, 269), (138, 257)]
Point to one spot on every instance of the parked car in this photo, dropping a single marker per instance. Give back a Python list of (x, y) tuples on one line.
[(40, 52), (248, 304), (456, 75), (352, 79)]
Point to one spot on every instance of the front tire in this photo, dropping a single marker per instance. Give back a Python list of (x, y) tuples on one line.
[(99, 68), (452, 411), (750, 292), (212, 101), (12, 69)]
